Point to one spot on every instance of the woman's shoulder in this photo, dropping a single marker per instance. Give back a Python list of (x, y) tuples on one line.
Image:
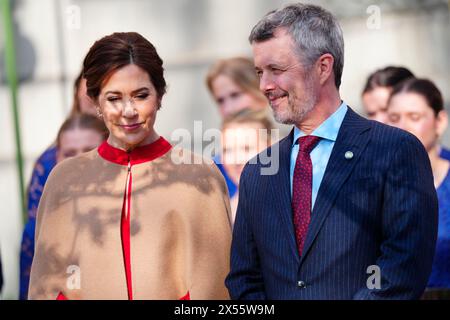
[(73, 166), (197, 169), (188, 160)]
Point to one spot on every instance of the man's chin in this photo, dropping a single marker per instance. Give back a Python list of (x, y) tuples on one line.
[(283, 118), (280, 114)]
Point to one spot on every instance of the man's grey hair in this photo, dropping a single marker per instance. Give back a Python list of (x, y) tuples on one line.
[(315, 31)]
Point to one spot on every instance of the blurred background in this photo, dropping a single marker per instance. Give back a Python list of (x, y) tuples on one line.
[(52, 36)]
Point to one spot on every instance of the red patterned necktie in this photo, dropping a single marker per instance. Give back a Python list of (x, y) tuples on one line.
[(302, 189)]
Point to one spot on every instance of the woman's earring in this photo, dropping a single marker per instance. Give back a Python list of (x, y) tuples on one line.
[(99, 114)]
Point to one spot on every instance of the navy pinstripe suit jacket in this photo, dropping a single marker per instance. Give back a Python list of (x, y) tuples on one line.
[(378, 208)]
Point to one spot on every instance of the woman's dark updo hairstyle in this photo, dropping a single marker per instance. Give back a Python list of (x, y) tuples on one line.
[(424, 87), (116, 51)]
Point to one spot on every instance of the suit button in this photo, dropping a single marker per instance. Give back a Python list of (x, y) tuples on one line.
[(301, 284)]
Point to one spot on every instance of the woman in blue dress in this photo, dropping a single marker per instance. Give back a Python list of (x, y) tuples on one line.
[(416, 105), (44, 164)]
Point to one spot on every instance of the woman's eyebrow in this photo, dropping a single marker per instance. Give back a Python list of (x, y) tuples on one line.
[(139, 90)]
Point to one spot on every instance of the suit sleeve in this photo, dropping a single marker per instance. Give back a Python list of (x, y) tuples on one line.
[(409, 225), (245, 281)]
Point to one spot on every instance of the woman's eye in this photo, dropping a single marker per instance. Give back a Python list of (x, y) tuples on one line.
[(69, 154), (112, 99), (393, 118), (235, 95), (142, 96)]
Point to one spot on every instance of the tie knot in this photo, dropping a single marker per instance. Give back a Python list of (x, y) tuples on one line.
[(308, 143)]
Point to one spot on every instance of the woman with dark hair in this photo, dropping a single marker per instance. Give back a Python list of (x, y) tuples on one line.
[(45, 163), (378, 88), (136, 218), (81, 104), (416, 105)]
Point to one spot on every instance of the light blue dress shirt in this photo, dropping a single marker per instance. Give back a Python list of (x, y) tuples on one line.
[(320, 155)]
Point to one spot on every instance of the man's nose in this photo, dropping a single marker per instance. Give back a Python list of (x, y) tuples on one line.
[(266, 83)]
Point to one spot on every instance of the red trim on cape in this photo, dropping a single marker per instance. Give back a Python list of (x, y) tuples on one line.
[(186, 297), (138, 155), (61, 296), (125, 234)]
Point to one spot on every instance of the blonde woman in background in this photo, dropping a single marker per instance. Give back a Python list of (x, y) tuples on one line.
[(234, 86), (244, 135)]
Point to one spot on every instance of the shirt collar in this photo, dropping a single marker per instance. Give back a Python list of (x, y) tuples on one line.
[(329, 128), (138, 155)]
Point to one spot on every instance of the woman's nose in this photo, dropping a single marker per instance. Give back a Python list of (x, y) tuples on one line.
[(129, 110)]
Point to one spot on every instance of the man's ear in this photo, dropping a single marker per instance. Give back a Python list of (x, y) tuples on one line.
[(325, 65)]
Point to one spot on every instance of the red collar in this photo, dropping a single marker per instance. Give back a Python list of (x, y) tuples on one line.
[(138, 155)]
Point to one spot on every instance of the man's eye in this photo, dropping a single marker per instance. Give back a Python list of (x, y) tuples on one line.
[(415, 117), (259, 73), (276, 70)]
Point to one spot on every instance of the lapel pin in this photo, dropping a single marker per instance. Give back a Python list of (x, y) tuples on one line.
[(348, 155)]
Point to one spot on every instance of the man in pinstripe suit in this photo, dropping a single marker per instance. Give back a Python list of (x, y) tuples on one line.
[(352, 211)]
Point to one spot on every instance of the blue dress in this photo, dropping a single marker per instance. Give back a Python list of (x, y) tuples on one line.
[(440, 274), (41, 171), (232, 188), (445, 153)]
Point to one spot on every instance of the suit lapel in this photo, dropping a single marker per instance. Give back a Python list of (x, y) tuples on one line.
[(283, 192), (350, 138)]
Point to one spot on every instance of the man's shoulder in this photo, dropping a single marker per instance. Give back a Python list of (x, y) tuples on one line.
[(380, 131), (386, 141), (392, 136)]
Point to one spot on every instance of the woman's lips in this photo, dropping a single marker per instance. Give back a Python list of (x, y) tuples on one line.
[(131, 127)]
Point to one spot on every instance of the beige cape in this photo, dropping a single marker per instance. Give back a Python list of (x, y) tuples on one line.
[(180, 230)]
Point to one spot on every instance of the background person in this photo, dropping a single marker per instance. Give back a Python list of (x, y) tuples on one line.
[(416, 105), (244, 135), (378, 88), (234, 86), (78, 134)]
